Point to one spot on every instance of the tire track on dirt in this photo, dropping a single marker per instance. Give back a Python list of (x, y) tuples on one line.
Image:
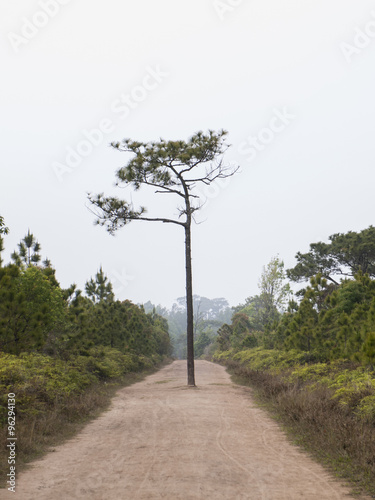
[(267, 426), (248, 472)]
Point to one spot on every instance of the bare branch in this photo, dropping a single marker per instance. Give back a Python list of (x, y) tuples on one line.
[(165, 221), (167, 191), (218, 172)]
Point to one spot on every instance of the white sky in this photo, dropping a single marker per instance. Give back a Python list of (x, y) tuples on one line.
[(313, 179)]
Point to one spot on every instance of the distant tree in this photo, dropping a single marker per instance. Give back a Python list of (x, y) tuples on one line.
[(355, 252), (242, 336), (3, 231), (172, 167), (239, 335), (149, 307), (224, 337), (274, 292), (345, 255), (253, 308), (99, 289), (161, 334), (28, 251), (209, 316), (302, 332), (266, 307), (203, 340)]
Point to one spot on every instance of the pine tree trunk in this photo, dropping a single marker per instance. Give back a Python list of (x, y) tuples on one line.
[(189, 306)]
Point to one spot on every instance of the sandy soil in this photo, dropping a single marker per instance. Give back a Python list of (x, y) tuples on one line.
[(163, 440)]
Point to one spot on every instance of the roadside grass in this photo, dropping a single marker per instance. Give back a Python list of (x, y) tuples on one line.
[(39, 434), (316, 420)]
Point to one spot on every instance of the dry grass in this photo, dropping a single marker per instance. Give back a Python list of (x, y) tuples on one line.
[(318, 423)]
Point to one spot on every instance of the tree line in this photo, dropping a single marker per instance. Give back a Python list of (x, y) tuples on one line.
[(38, 315), (331, 317)]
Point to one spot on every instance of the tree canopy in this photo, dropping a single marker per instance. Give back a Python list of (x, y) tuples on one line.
[(28, 251), (99, 289), (345, 255), (172, 167), (37, 315)]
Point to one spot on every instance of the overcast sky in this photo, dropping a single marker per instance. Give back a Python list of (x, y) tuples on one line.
[(292, 81)]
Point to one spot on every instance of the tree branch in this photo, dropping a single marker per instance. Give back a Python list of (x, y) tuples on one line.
[(212, 176), (156, 219)]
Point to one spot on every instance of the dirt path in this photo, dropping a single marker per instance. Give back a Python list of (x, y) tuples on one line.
[(163, 440)]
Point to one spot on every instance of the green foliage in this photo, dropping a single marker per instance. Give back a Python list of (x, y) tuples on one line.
[(30, 307), (56, 343), (106, 363), (267, 307), (40, 382), (161, 336), (318, 261), (253, 308), (353, 386), (302, 334), (239, 335), (345, 255), (242, 336), (224, 337), (28, 251), (272, 359), (3, 228), (273, 291), (166, 165), (37, 315), (338, 322), (120, 325), (366, 408), (99, 290), (368, 349), (203, 341)]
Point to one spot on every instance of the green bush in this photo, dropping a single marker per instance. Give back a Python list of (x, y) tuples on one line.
[(40, 382), (353, 386)]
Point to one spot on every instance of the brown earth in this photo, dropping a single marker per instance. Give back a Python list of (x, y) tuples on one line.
[(163, 440)]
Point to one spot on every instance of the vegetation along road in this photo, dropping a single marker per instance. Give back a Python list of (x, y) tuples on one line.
[(163, 439)]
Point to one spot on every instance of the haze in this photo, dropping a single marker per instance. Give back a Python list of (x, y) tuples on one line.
[(302, 70)]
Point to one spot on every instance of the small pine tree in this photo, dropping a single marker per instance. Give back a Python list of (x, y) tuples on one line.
[(100, 289), (28, 251)]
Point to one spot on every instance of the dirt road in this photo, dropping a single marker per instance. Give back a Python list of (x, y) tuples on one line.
[(163, 440)]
